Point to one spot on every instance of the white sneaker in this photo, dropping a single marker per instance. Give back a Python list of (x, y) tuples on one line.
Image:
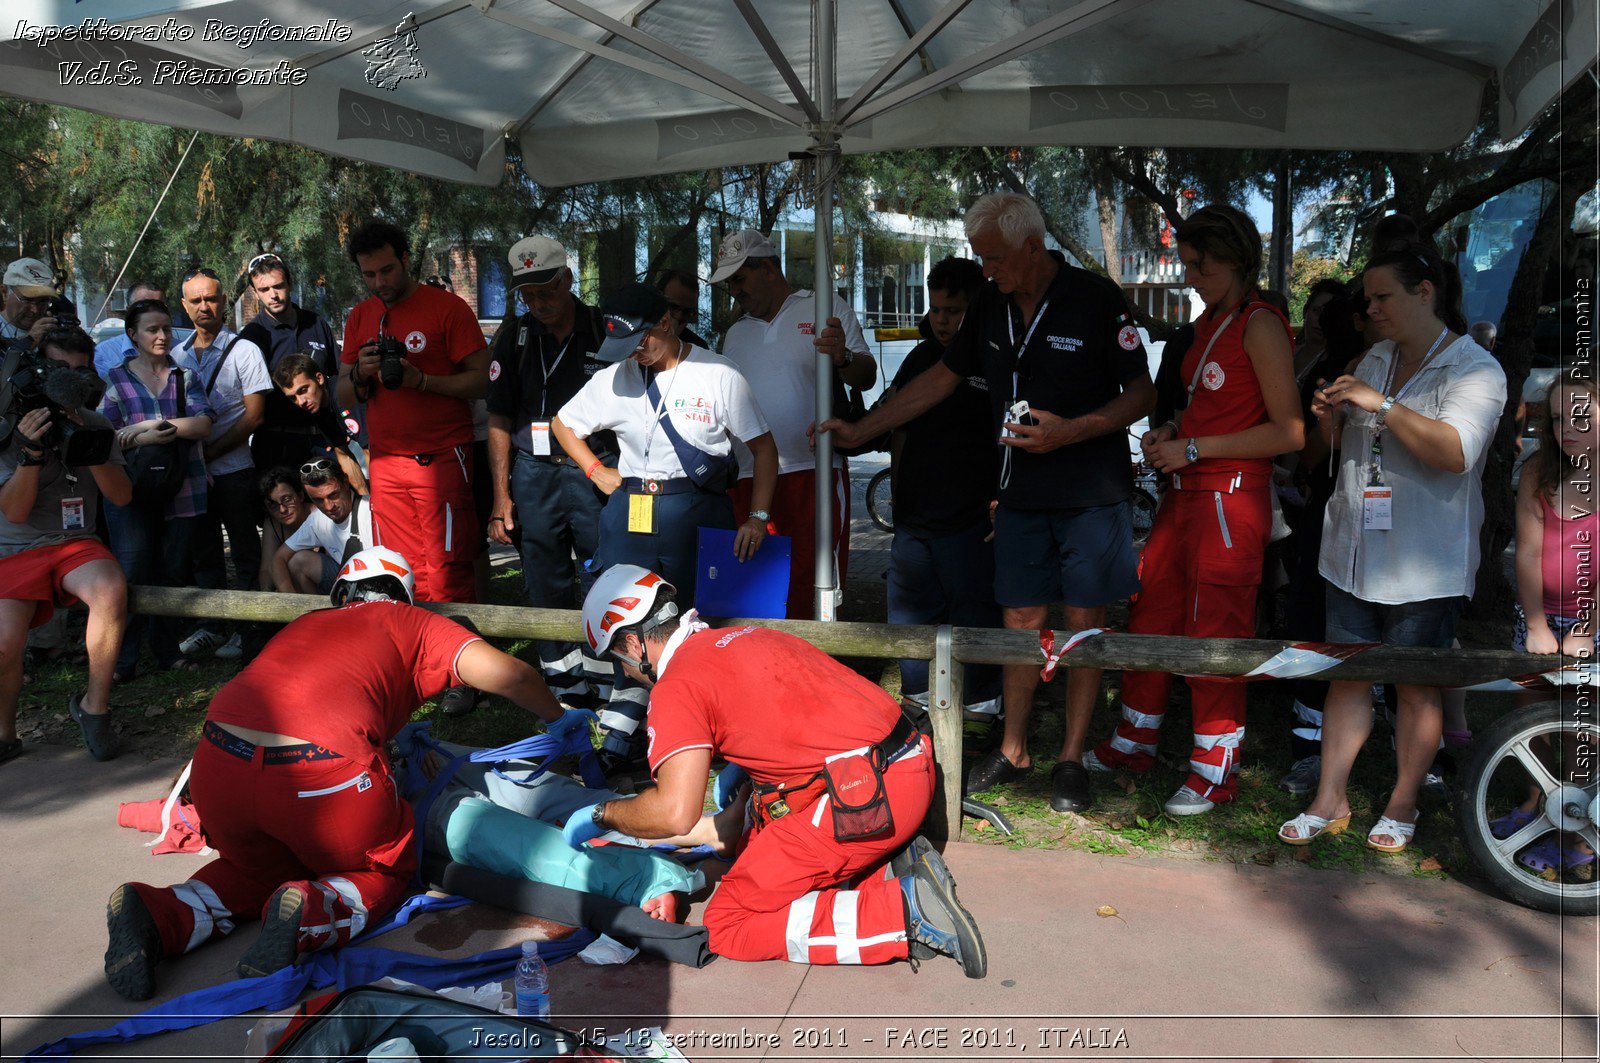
[(202, 641), (1094, 764), (1187, 803), (231, 650)]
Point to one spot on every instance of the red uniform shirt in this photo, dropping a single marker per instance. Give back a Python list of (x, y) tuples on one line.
[(770, 702), (346, 679), (1227, 398), (437, 330)]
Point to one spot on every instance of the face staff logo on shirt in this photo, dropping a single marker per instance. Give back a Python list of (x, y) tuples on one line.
[(416, 342), (1128, 337), (494, 371), (1212, 376), (807, 328)]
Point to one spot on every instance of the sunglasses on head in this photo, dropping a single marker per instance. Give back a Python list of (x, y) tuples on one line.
[(201, 272), (269, 258), (316, 469)]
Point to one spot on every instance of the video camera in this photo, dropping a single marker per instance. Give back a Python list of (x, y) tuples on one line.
[(33, 381)]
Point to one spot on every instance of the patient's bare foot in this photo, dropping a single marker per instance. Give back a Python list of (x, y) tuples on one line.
[(663, 907)]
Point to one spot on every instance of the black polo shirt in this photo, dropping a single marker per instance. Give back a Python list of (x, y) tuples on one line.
[(532, 375), (306, 334), (1079, 355), (949, 465)]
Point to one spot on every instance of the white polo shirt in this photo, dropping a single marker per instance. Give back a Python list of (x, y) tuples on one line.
[(708, 400), (319, 530), (779, 359), (244, 373)]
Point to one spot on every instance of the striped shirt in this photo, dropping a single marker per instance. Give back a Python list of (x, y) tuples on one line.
[(128, 402)]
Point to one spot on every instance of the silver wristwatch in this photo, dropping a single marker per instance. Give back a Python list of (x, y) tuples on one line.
[(1192, 451), (760, 514), (1384, 408)]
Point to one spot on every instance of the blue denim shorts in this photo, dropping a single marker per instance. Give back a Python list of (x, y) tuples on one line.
[(1083, 557), (1428, 623)]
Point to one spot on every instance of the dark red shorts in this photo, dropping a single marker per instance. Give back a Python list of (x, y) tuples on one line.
[(35, 575)]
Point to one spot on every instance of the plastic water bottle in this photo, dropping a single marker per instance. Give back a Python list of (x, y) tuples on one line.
[(532, 983)]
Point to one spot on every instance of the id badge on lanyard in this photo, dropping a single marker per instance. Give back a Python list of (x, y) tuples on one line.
[(541, 438), (642, 513), (72, 514), (1377, 497)]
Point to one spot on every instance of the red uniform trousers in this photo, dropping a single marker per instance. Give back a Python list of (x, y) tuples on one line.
[(795, 893), (426, 512), (1198, 576), (339, 832), (794, 513)]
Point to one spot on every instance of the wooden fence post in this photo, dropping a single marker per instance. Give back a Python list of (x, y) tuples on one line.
[(945, 699)]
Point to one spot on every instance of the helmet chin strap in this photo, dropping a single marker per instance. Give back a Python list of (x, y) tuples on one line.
[(642, 664)]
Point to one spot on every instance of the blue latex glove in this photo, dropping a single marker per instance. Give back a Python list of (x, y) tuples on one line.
[(728, 780), (581, 827), (569, 721)]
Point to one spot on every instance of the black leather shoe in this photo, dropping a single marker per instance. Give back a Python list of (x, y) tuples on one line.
[(993, 770), (1069, 787)]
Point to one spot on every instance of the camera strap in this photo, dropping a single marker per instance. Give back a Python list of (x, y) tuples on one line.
[(212, 383)]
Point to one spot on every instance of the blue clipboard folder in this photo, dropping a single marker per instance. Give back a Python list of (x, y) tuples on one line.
[(727, 586)]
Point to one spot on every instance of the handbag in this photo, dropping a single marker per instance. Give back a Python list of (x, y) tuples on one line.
[(157, 470)]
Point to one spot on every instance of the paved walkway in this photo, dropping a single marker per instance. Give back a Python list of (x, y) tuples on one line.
[(1201, 960)]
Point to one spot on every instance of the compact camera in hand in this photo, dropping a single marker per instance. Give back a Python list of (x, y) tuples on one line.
[(1019, 413), (391, 366)]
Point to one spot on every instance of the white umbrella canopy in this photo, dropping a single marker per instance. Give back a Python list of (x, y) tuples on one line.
[(601, 89), (594, 90)]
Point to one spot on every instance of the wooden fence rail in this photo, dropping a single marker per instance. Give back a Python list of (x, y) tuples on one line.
[(942, 647)]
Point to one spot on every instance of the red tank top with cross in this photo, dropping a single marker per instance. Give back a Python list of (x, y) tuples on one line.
[(1227, 395)]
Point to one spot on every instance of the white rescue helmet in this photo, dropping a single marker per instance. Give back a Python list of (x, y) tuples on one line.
[(377, 572), (624, 595)]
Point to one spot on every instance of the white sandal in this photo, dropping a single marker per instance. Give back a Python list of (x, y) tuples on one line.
[(1391, 828), (1307, 827)]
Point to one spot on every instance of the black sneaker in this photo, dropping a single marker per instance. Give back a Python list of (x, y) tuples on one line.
[(937, 924), (133, 944), (458, 701), (1069, 787), (279, 943), (993, 770)]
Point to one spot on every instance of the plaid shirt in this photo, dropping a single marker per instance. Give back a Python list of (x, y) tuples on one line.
[(128, 401)]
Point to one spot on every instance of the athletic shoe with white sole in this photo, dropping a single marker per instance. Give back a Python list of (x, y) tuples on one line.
[(1187, 802), (204, 640), (231, 650)]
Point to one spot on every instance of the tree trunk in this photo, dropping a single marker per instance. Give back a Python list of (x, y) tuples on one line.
[(1494, 594), (1105, 199)]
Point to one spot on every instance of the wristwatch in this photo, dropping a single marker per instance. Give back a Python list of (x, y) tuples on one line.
[(1383, 409), (1192, 451), (849, 356), (599, 815), (760, 514)]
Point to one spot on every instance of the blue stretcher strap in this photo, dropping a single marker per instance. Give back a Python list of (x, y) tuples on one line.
[(343, 968)]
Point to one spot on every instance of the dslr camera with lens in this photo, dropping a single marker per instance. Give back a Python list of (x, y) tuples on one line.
[(390, 368)]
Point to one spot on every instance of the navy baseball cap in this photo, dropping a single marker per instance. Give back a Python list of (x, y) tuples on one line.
[(629, 312)]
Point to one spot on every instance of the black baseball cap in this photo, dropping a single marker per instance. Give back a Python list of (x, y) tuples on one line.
[(628, 312)]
